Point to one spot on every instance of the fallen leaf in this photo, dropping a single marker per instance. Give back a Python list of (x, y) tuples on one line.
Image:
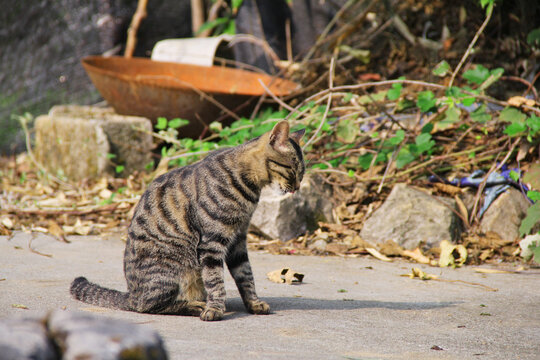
[(378, 255), (56, 231), (391, 248), (105, 194), (7, 222), (57, 201), (19, 306), (79, 228), (417, 256), (285, 275), (418, 273), (518, 101), (452, 255)]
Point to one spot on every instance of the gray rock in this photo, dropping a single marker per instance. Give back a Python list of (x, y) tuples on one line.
[(85, 336), (25, 338), (76, 141), (73, 335), (288, 216), (505, 214), (411, 217)]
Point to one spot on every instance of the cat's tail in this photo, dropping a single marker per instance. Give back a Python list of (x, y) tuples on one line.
[(90, 293)]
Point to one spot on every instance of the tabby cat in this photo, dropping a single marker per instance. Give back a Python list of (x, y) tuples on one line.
[(192, 220)]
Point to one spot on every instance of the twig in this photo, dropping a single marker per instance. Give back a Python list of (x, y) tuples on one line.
[(34, 250), (192, 87), (471, 45), (252, 39), (531, 84), (400, 81), (523, 81), (278, 100), (140, 14), (323, 120)]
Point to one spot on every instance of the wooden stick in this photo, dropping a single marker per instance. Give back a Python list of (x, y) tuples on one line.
[(140, 14)]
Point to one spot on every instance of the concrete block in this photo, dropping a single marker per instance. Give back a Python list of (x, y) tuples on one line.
[(75, 141)]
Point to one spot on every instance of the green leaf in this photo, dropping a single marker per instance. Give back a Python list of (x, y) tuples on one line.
[(536, 254), (347, 131), (480, 115), (428, 128), (533, 123), (161, 123), (119, 169), (404, 157), (451, 116), (395, 92), (176, 123), (426, 101), (404, 104), (216, 126), (533, 38), (476, 75), (398, 138), (351, 173), (235, 4), (365, 160), (511, 114), (441, 69), (514, 175), (532, 218), (424, 143), (533, 195), (494, 75), (110, 156), (515, 129), (212, 24), (347, 97)]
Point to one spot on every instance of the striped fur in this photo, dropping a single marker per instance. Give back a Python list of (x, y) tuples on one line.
[(193, 220)]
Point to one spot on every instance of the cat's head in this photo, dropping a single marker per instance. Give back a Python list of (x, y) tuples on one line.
[(285, 162)]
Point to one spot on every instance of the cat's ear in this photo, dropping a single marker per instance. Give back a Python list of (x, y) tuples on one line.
[(280, 135), (297, 135)]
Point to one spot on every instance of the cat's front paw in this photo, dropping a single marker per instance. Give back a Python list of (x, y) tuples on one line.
[(211, 314), (258, 307)]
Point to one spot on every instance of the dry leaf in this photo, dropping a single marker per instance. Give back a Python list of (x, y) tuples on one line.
[(373, 252), (19, 306), (452, 255), (78, 228), (285, 275), (391, 248), (105, 194), (518, 101), (7, 222), (56, 230), (418, 273), (417, 256), (57, 201)]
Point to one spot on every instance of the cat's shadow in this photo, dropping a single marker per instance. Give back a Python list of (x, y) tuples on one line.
[(236, 309)]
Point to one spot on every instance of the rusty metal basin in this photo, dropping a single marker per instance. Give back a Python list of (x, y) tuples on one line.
[(142, 87)]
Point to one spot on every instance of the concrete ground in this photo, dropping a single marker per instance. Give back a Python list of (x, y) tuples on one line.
[(353, 308)]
